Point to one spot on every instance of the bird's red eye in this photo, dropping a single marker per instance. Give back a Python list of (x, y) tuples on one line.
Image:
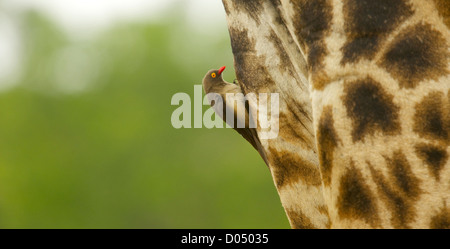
[(213, 75)]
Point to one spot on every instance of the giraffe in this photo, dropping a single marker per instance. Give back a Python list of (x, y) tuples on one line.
[(364, 137)]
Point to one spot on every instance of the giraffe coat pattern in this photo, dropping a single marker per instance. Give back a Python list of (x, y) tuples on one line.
[(364, 86)]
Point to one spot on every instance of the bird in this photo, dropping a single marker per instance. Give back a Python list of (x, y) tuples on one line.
[(213, 82)]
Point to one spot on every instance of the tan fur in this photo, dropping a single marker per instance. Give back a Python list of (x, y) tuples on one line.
[(365, 100)]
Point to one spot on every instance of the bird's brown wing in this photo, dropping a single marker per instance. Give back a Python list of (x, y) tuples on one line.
[(250, 134)]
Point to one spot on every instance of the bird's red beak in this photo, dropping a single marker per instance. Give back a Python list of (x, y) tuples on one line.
[(221, 70)]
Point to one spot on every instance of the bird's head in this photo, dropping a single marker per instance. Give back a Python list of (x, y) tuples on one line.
[(212, 77)]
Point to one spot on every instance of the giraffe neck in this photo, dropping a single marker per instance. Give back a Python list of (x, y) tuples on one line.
[(380, 89), (364, 97)]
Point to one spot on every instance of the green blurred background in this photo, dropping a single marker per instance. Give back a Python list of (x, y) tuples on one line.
[(85, 134)]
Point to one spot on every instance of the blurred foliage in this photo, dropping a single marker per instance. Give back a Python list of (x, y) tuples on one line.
[(86, 139)]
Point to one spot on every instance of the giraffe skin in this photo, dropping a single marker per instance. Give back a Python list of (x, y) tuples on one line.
[(364, 138)]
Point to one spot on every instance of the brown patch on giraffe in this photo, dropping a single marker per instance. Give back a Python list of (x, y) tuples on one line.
[(276, 3), (252, 8), (371, 109), (443, 8), (320, 80), (323, 209), (402, 175), (367, 24), (356, 200), (400, 190), (241, 42), (299, 220), (312, 23), (432, 117), (442, 219), (287, 129), (293, 129), (393, 200), (285, 64), (289, 168), (327, 141), (434, 157), (250, 68), (278, 18), (417, 54)]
